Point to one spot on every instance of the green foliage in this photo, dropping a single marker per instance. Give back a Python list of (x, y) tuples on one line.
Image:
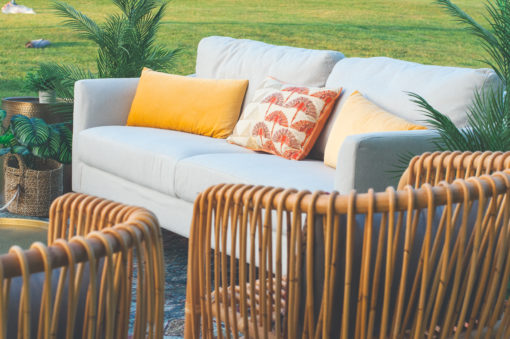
[(42, 79), (66, 76), (126, 42), (33, 138), (494, 41), (64, 154), (29, 132), (59, 78), (489, 115)]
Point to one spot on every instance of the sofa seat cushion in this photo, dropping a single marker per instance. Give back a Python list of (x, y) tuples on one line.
[(227, 58), (145, 156), (386, 82), (194, 174)]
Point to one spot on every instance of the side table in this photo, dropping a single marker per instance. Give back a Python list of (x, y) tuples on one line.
[(21, 232)]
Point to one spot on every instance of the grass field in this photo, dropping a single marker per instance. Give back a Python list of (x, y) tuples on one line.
[(415, 30)]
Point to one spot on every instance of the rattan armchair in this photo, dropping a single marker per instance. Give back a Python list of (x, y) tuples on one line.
[(80, 285), (432, 168), (419, 262)]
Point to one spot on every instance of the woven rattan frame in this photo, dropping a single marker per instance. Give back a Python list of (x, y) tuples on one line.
[(458, 288), (82, 230), (435, 167)]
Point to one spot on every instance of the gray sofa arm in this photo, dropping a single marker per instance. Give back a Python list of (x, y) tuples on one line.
[(370, 160), (100, 102)]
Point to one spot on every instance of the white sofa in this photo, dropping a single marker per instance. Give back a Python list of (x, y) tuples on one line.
[(164, 170)]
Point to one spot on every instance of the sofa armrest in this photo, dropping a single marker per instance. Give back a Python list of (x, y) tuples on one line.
[(371, 160), (100, 102)]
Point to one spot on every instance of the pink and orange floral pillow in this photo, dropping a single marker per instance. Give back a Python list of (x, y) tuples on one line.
[(284, 119)]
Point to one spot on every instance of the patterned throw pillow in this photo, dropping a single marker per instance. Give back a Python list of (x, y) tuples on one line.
[(284, 119)]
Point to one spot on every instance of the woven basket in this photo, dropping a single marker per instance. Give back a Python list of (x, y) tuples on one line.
[(35, 189), (30, 107)]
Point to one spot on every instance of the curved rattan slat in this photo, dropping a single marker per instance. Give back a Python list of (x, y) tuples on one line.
[(88, 269), (426, 262), (435, 167)]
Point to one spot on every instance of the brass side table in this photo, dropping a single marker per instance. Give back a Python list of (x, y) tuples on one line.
[(21, 232)]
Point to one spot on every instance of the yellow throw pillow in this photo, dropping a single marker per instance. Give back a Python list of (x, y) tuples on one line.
[(207, 107), (359, 115)]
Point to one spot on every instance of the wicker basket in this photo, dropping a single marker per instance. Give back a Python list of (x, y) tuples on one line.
[(30, 107), (31, 191)]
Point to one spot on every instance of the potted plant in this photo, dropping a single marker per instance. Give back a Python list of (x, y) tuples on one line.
[(43, 81), (126, 41), (35, 152)]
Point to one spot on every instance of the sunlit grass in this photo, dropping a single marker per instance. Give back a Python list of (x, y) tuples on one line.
[(415, 30)]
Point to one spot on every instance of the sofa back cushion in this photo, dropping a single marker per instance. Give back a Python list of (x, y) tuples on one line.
[(360, 115), (386, 81), (228, 58)]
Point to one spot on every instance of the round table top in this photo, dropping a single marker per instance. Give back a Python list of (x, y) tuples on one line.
[(30, 100), (21, 232)]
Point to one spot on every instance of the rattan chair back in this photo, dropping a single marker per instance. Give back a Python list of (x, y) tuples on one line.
[(80, 285), (415, 263), (432, 168)]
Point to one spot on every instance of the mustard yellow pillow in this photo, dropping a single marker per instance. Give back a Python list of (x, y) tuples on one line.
[(207, 107), (359, 115)]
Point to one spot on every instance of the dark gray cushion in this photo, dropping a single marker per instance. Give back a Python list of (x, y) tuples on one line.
[(337, 297)]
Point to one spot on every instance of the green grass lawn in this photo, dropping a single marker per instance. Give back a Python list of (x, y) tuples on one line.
[(415, 30)]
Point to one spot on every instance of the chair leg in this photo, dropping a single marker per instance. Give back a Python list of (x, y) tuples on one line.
[(192, 308)]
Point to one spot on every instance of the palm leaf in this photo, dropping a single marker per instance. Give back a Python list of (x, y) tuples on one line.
[(62, 110), (126, 41), (78, 21), (449, 135), (494, 42), (124, 5), (30, 132), (463, 17), (488, 116), (402, 163), (67, 75)]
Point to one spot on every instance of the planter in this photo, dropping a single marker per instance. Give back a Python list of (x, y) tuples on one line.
[(30, 107), (28, 191)]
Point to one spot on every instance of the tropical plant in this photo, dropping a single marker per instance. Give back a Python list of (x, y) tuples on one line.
[(41, 79), (488, 126), (126, 44), (66, 76), (35, 140), (60, 80), (127, 41)]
